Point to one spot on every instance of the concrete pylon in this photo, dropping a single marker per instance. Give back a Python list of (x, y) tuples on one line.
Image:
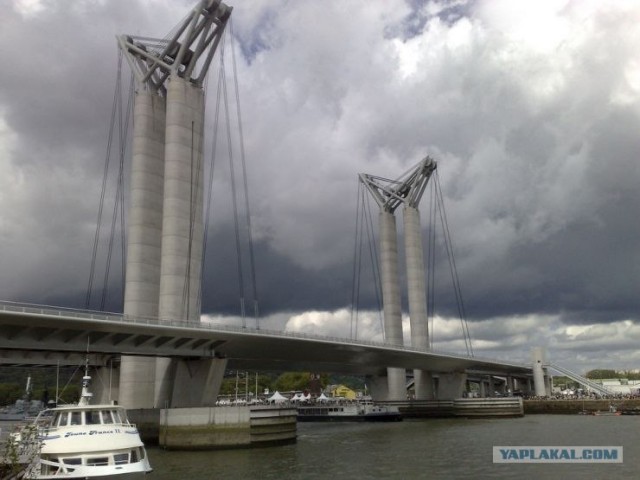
[(182, 223), (142, 284), (164, 258), (417, 292), (396, 377), (389, 195), (539, 384)]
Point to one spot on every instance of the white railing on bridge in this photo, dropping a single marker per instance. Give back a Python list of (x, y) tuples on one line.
[(209, 326), (585, 382)]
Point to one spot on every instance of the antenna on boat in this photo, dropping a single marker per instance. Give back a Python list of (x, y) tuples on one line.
[(86, 395)]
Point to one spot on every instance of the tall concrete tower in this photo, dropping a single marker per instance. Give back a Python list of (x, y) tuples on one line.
[(165, 233), (389, 195)]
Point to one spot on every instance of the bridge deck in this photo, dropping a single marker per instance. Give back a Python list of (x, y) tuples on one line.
[(36, 334)]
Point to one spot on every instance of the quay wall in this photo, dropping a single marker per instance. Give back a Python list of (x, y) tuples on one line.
[(503, 407), (210, 428), (568, 407)]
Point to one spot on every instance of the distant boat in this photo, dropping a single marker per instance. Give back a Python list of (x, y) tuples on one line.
[(362, 411), (613, 411), (630, 411), (23, 408)]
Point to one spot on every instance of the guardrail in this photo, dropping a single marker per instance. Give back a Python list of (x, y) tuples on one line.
[(26, 308), (581, 380)]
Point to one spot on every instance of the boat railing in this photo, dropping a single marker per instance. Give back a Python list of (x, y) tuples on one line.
[(54, 428)]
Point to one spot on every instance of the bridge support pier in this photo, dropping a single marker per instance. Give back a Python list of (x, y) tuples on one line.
[(182, 224), (378, 385), (539, 383), (396, 377), (451, 385), (197, 382), (142, 282), (510, 385), (416, 288), (105, 384)]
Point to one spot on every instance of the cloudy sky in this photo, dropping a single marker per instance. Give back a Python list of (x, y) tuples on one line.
[(531, 109)]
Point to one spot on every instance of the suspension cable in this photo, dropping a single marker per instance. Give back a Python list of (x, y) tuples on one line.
[(373, 254), (235, 203), (244, 177), (214, 147), (454, 273), (123, 223), (123, 128), (355, 281), (105, 174)]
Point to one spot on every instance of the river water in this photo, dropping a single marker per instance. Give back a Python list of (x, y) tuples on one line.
[(433, 449)]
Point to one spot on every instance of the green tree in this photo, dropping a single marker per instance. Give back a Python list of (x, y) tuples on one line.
[(10, 392), (290, 381), (601, 373)]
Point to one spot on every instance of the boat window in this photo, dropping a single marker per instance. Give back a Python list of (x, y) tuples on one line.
[(56, 419), (95, 461), (72, 461), (121, 458), (134, 456), (76, 418), (106, 417), (116, 416), (64, 419), (92, 417)]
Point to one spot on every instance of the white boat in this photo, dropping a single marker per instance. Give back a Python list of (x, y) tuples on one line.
[(86, 441), (348, 412)]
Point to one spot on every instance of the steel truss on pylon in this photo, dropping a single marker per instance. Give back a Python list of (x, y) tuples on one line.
[(153, 60), (407, 190)]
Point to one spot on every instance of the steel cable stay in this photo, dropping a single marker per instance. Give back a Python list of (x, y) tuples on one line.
[(119, 119), (105, 176), (364, 227), (123, 250), (214, 146), (124, 116), (375, 262), (452, 264), (355, 279), (252, 267), (234, 198), (222, 108)]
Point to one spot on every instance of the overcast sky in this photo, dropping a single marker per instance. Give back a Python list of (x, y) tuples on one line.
[(531, 109)]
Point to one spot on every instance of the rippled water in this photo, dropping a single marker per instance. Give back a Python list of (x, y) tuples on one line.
[(434, 449)]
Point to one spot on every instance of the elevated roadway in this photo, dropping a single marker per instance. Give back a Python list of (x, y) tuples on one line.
[(39, 335)]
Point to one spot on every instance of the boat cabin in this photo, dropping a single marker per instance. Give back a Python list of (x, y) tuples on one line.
[(84, 416)]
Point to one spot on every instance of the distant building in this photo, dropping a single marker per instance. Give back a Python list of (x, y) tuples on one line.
[(620, 386), (342, 391)]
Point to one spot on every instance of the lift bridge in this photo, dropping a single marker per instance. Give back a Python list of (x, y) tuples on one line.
[(161, 350)]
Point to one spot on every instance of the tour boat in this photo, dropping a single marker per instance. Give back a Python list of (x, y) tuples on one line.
[(85, 441), (348, 412)]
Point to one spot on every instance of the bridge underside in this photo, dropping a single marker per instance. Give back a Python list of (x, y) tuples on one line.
[(40, 337)]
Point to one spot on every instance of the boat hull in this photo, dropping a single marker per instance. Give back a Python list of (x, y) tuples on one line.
[(391, 417), (366, 412)]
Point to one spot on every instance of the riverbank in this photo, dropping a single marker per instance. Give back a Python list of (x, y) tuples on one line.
[(567, 407)]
